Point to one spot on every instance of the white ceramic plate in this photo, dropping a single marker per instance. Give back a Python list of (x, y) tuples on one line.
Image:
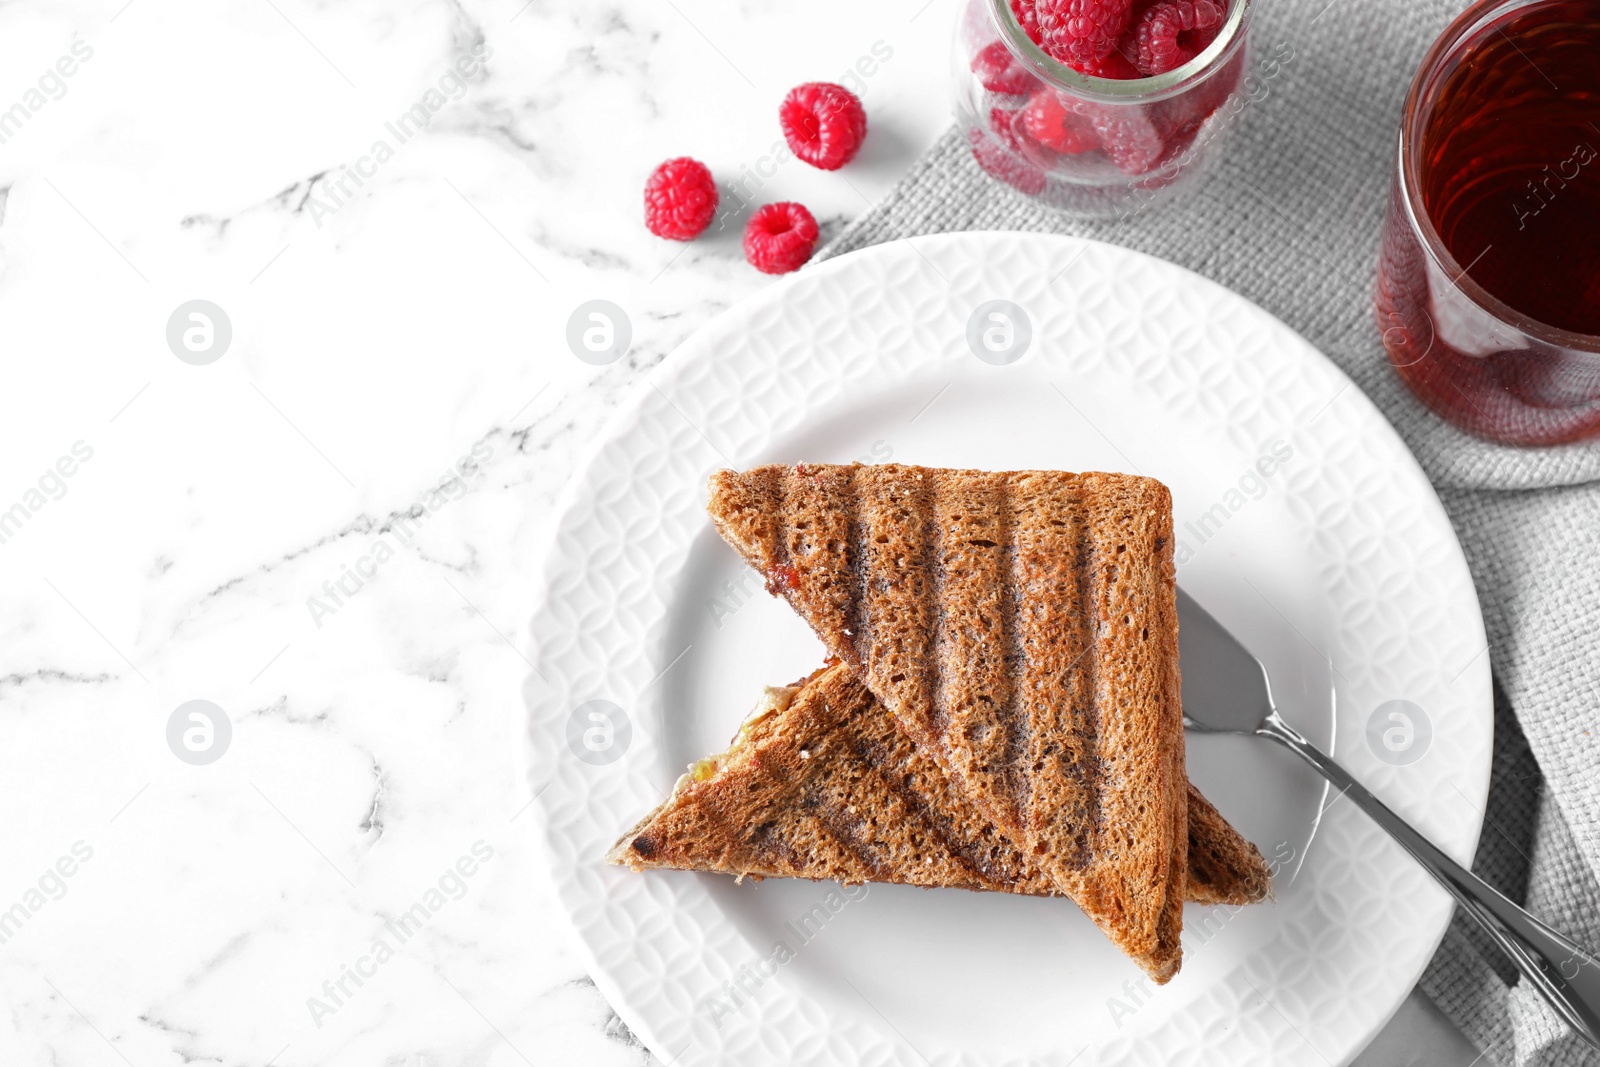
[(1337, 567)]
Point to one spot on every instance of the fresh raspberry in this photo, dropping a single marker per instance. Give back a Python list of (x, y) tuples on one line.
[(1176, 144), (1003, 124), (999, 163), (1184, 113), (1078, 32), (999, 71), (1047, 121), (1006, 127), (1167, 34), (1027, 17), (1201, 38), (1115, 64), (823, 123), (1178, 118), (780, 238), (1128, 137), (680, 199)]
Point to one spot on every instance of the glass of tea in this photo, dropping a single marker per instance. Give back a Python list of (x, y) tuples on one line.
[(1488, 289)]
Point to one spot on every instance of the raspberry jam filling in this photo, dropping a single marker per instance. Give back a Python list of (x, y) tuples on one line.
[(782, 578)]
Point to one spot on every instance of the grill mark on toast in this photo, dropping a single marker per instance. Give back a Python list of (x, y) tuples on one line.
[(1222, 866), (1018, 781), (817, 575), (839, 857), (833, 824), (879, 762), (1088, 725), (775, 852), (896, 596), (973, 736), (939, 640), (859, 805), (1054, 719), (1051, 621), (775, 489), (937, 823), (860, 636)]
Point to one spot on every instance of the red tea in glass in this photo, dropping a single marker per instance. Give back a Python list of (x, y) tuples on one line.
[(1489, 279)]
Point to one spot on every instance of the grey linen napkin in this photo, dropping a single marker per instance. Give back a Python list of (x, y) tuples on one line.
[(1290, 219)]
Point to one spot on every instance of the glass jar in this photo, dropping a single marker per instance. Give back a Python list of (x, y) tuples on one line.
[(1488, 293), (1087, 146)]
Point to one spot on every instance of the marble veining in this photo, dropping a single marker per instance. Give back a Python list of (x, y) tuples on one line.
[(329, 531)]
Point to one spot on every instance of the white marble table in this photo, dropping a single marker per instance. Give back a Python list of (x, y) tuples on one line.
[(327, 528)]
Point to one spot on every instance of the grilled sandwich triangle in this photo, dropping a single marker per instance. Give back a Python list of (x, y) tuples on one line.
[(821, 784), (1022, 630)]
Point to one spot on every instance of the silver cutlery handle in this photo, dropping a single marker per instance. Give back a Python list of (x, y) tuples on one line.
[(1566, 973)]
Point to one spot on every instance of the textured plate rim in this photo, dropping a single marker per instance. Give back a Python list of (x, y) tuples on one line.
[(680, 362)]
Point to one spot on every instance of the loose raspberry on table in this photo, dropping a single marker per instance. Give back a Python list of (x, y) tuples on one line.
[(780, 238), (1060, 128), (1170, 33), (680, 199), (999, 163), (1000, 72), (1078, 32), (823, 123)]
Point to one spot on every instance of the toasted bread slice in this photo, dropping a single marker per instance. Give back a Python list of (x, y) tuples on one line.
[(1022, 629), (821, 784)]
